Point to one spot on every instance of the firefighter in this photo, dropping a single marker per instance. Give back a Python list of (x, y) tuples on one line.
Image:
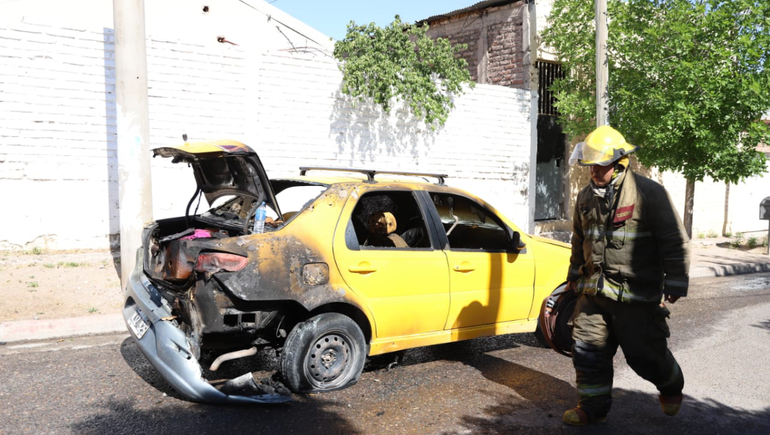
[(630, 253)]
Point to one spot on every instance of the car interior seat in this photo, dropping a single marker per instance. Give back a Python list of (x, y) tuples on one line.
[(414, 237), (382, 231)]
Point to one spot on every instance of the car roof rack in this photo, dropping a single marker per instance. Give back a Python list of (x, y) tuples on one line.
[(370, 173)]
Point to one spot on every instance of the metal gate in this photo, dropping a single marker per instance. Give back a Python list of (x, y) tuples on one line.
[(551, 142)]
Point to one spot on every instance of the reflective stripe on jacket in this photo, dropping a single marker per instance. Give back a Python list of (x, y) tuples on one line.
[(634, 252)]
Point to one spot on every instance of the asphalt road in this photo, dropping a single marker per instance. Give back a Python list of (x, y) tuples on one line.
[(721, 337)]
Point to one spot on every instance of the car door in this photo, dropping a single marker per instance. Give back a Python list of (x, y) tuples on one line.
[(406, 288), (489, 281)]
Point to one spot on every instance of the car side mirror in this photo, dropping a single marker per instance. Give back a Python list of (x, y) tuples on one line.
[(516, 244)]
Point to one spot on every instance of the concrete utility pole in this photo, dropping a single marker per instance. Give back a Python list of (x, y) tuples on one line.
[(602, 68), (133, 129)]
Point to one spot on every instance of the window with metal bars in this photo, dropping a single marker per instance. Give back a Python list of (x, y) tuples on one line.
[(548, 72)]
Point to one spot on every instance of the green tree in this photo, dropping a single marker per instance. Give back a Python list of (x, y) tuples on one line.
[(688, 81), (401, 61)]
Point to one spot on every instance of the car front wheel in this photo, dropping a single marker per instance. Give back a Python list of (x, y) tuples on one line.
[(325, 353)]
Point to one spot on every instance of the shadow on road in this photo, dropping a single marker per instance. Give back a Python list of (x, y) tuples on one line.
[(462, 350), (633, 412), (530, 401), (126, 416), (457, 351), (540, 389), (142, 367), (129, 416), (763, 325)]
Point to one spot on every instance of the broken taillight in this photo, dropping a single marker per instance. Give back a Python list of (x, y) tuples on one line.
[(213, 262)]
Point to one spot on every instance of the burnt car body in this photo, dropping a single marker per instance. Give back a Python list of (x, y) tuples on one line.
[(316, 285)]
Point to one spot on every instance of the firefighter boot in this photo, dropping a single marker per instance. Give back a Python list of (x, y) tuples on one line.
[(578, 417), (670, 404)]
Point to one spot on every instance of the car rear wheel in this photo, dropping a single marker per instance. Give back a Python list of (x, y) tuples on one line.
[(325, 353)]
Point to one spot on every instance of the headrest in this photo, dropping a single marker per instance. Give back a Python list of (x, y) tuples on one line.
[(382, 222)]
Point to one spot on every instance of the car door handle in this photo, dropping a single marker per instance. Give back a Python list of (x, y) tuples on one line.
[(363, 267), (464, 267)]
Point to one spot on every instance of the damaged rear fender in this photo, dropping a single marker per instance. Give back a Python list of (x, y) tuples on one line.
[(166, 346)]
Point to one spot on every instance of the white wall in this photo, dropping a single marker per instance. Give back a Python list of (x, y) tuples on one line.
[(543, 11), (709, 205), (485, 142), (300, 118), (58, 162)]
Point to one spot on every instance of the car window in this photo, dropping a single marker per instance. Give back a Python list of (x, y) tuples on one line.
[(387, 220), (294, 198), (468, 224)]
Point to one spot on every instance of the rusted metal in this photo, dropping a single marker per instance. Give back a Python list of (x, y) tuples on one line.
[(178, 265), (231, 356)]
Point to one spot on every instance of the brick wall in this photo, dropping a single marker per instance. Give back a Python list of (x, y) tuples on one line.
[(496, 52), (58, 160), (469, 37), (506, 56), (56, 134)]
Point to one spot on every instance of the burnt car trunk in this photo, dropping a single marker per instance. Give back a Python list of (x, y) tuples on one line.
[(184, 256), (176, 306), (172, 247), (226, 170), (176, 262)]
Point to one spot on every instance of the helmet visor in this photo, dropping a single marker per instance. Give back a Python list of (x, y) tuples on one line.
[(589, 156), (586, 155)]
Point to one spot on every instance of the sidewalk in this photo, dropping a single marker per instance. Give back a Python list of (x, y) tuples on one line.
[(710, 258), (28, 330)]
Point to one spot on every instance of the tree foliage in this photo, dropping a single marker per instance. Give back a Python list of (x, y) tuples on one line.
[(689, 80), (401, 61)]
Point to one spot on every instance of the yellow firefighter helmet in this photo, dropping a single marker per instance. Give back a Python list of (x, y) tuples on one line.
[(603, 146)]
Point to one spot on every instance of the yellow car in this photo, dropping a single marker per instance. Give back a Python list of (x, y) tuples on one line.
[(348, 263)]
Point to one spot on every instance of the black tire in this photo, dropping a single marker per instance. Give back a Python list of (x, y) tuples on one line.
[(325, 353)]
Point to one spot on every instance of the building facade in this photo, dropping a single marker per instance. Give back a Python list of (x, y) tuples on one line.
[(223, 69)]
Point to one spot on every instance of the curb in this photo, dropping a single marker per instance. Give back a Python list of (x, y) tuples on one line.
[(723, 270), (711, 261), (29, 330)]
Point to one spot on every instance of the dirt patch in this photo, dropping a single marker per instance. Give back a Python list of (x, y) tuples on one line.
[(759, 250), (58, 284)]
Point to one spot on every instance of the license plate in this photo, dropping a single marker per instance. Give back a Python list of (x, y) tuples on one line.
[(138, 324)]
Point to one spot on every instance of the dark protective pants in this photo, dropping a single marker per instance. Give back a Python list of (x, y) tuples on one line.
[(599, 326)]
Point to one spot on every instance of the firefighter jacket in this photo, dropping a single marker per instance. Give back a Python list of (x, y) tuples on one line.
[(630, 246)]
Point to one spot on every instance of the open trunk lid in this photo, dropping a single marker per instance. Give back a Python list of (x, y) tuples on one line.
[(224, 167)]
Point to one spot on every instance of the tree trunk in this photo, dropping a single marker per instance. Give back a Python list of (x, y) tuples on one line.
[(727, 208), (689, 200)]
